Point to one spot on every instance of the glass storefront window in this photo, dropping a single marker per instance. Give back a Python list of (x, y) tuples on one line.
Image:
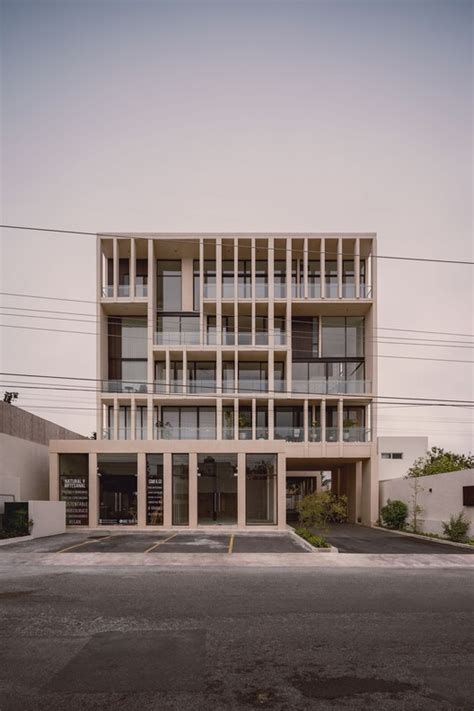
[(117, 489), (154, 489), (261, 489), (180, 490), (74, 487), (217, 488)]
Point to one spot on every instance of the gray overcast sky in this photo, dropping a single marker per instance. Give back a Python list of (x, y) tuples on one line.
[(298, 116)]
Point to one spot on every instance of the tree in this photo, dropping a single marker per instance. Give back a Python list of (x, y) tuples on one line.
[(416, 509), (438, 461)]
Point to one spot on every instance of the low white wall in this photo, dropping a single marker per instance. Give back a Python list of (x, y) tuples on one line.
[(440, 498), (49, 517), (30, 462)]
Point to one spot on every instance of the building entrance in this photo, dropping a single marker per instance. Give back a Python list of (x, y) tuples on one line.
[(217, 489), (117, 489)]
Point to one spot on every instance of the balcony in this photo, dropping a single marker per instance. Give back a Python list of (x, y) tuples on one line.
[(227, 291), (209, 291), (170, 432), (297, 291), (107, 292), (279, 338), (279, 386), (279, 291), (314, 291), (245, 433), (124, 386), (314, 434), (177, 338), (348, 290), (124, 433), (365, 291), (140, 433), (332, 290), (108, 433), (261, 291), (245, 291), (261, 338), (332, 434), (201, 386), (227, 433), (261, 433), (289, 434), (244, 338)]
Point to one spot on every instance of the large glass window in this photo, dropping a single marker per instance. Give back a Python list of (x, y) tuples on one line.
[(228, 422), (209, 279), (245, 330), (343, 337), (314, 279), (176, 376), (348, 279), (261, 331), (74, 487), (180, 489), (279, 278), (127, 354), (331, 279), (125, 422), (279, 376), (188, 423), (177, 330), (253, 377), (154, 489), (261, 279), (262, 422), (217, 488), (305, 337), (201, 376), (245, 422), (196, 286), (245, 278), (289, 423), (228, 279), (261, 489), (228, 377), (168, 285)]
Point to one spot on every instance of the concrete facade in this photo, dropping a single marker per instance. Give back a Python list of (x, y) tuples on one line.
[(251, 355), (397, 454), (440, 497), (24, 457)]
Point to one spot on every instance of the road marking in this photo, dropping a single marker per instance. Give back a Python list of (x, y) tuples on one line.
[(78, 545), (231, 543), (152, 548)]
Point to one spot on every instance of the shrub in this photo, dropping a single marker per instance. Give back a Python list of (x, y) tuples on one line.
[(320, 508), (394, 514), (316, 541), (457, 528)]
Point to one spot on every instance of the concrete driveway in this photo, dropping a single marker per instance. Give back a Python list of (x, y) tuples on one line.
[(351, 538)]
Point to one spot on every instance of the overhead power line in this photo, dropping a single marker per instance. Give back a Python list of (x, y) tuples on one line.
[(192, 240)]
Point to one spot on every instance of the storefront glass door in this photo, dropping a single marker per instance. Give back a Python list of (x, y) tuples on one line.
[(117, 489), (217, 489)]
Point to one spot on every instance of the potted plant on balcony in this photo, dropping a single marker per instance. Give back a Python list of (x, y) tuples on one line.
[(314, 435), (245, 431), (348, 425)]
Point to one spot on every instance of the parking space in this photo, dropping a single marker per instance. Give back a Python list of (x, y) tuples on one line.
[(161, 542)]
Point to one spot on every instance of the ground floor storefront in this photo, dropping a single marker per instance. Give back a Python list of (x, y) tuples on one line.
[(245, 489)]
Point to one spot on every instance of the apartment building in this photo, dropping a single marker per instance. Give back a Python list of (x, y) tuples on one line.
[(232, 370)]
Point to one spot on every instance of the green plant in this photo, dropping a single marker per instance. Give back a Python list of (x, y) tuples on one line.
[(316, 541), (394, 514), (457, 528), (320, 508), (438, 461)]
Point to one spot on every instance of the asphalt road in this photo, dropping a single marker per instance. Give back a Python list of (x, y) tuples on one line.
[(192, 639)]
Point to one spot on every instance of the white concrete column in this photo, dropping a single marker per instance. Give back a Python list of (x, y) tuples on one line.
[(357, 267), (116, 419), (167, 490), (202, 325), (141, 489), (133, 266), (281, 490), (184, 383), (236, 269), (339, 268), (271, 269), (150, 419), (322, 267), (53, 476), (358, 489), (236, 371), (115, 266), (133, 418), (288, 253), (305, 267), (305, 421), (151, 313), (254, 419), (236, 418), (323, 420), (340, 419), (219, 290), (252, 266), (271, 372), (271, 418), (167, 370), (93, 491), (193, 490), (219, 418), (369, 491), (241, 475)]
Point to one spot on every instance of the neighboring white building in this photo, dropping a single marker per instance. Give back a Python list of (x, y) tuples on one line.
[(397, 454), (231, 368), (24, 457), (441, 496)]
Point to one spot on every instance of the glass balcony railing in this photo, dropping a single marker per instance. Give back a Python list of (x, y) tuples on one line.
[(177, 338), (290, 434), (124, 386), (227, 433), (228, 386), (279, 291), (244, 338), (140, 433), (365, 291), (209, 291), (228, 338), (297, 291), (261, 338), (332, 434), (261, 433), (332, 290), (123, 290), (279, 338), (253, 386), (261, 291), (228, 291), (314, 434), (159, 386), (170, 432), (201, 386), (141, 290), (245, 291), (245, 433), (124, 433), (108, 291), (314, 291), (108, 433), (355, 434), (348, 290), (332, 387), (279, 386)]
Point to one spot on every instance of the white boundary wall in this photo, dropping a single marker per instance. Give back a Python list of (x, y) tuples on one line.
[(49, 517), (441, 497)]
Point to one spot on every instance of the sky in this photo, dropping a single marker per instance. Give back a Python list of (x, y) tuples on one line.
[(241, 116)]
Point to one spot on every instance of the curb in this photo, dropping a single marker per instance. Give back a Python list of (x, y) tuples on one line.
[(313, 549), (17, 539), (424, 538)]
